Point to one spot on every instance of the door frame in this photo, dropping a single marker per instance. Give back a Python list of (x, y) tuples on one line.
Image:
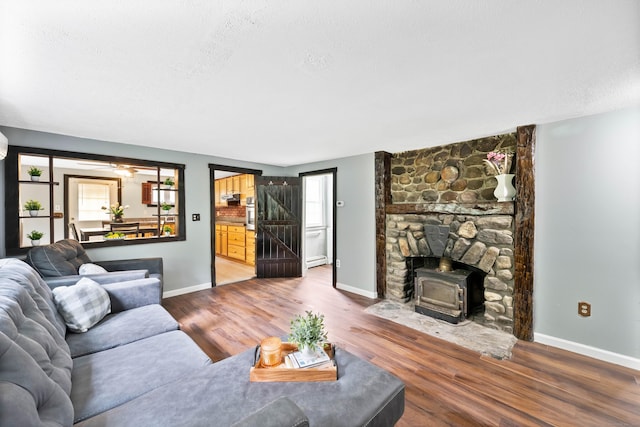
[(334, 173), (212, 207)]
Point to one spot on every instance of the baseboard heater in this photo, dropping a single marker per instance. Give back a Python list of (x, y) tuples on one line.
[(315, 261)]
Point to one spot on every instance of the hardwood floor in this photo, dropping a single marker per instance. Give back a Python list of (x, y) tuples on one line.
[(230, 271), (446, 385)]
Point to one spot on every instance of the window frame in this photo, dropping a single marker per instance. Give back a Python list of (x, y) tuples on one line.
[(12, 193)]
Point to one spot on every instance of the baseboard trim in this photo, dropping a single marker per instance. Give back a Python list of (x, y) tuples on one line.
[(186, 290), (354, 290), (585, 350)]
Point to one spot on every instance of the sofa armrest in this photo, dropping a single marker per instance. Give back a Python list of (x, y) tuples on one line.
[(134, 293), (282, 412), (102, 278), (153, 265)]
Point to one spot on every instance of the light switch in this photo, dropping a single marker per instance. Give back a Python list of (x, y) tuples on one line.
[(195, 217)]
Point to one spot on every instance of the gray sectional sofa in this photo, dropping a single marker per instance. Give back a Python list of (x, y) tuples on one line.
[(135, 367)]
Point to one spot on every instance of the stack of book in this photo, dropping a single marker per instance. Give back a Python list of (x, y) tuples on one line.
[(303, 360)]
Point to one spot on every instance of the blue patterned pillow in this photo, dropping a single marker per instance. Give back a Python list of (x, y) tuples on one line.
[(82, 305)]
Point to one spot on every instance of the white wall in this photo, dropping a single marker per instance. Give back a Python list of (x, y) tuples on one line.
[(355, 222), (587, 239)]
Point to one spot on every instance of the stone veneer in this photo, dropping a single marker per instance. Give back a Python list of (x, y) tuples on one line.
[(448, 185), (452, 173)]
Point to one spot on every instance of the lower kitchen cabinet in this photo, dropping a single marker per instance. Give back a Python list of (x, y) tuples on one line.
[(236, 242), (221, 240), (250, 247)]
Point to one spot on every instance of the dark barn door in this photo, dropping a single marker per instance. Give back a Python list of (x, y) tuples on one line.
[(278, 226)]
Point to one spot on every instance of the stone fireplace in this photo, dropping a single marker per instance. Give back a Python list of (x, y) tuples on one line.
[(447, 186), (484, 242)]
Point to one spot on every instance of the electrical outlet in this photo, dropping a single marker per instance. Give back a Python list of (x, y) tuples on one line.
[(195, 217), (337, 263), (584, 309)]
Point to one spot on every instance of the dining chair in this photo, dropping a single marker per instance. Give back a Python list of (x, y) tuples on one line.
[(126, 227)]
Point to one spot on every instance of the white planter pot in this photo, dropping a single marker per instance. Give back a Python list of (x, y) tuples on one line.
[(35, 242), (34, 213), (35, 177)]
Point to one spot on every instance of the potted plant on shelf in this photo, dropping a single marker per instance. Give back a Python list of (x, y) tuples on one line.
[(169, 182), (33, 206), (35, 237), (308, 332), (34, 173), (167, 230), (166, 207)]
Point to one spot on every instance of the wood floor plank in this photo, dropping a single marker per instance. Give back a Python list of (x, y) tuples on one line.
[(446, 385)]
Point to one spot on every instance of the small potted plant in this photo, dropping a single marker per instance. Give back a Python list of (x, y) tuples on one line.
[(35, 237), (308, 332), (33, 206), (116, 210), (167, 230), (34, 173), (166, 207), (169, 182)]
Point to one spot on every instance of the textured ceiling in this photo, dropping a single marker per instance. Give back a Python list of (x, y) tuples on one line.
[(291, 82)]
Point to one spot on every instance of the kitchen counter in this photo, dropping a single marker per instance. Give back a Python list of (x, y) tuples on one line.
[(237, 224)]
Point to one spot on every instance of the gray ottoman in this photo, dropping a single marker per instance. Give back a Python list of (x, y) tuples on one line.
[(221, 395)]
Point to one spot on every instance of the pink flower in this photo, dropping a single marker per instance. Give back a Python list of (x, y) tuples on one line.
[(499, 163)]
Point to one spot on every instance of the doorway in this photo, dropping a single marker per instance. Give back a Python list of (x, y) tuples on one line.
[(319, 222), (232, 193)]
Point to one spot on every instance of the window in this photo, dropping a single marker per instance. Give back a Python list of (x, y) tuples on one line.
[(91, 199), (65, 198), (314, 201)]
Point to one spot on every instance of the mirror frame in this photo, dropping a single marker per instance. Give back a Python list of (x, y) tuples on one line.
[(12, 208)]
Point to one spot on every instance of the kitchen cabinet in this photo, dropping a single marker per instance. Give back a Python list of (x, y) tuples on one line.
[(216, 192), (221, 240), (236, 242), (235, 183), (250, 247)]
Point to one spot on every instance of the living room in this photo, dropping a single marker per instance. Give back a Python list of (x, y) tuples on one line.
[(586, 175)]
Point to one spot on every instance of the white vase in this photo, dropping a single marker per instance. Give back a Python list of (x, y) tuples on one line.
[(505, 191), (35, 242), (35, 177), (34, 212)]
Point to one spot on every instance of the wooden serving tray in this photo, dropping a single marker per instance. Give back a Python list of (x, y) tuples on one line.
[(262, 373)]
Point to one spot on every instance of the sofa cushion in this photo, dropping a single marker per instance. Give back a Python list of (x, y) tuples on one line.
[(122, 328), (82, 305), (28, 397), (13, 270), (90, 268), (22, 322), (62, 258), (110, 378)]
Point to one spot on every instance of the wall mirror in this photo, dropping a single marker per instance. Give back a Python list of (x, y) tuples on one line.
[(98, 200)]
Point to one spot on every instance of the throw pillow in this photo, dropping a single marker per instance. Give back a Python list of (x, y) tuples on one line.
[(82, 305), (91, 269)]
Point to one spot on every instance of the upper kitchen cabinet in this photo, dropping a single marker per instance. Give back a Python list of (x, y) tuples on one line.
[(242, 184)]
